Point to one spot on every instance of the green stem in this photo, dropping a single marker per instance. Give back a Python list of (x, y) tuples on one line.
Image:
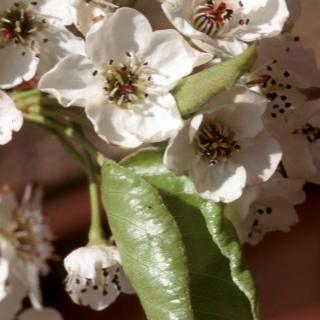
[(60, 112), (23, 94), (96, 233), (131, 3), (67, 146), (70, 132)]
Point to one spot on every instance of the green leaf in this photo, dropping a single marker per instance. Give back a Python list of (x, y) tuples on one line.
[(221, 285), (193, 92), (149, 242), (224, 235)]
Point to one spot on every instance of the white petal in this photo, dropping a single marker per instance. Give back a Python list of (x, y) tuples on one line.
[(11, 119), (238, 211), (43, 314), (240, 109), (225, 47), (267, 18), (157, 119), (16, 65), (107, 119), (111, 38), (281, 187), (95, 299), (4, 272), (72, 81), (83, 13), (170, 57), (179, 153), (260, 159), (61, 42), (12, 303), (126, 286), (57, 11), (85, 260), (223, 181)]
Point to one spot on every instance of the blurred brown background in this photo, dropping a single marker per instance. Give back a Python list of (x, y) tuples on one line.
[(285, 265)]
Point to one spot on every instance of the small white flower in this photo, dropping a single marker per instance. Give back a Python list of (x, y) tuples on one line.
[(95, 277), (24, 241), (225, 27), (33, 38), (225, 146), (124, 82), (11, 118), (85, 13), (265, 207)]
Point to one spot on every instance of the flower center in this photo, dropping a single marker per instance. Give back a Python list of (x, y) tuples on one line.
[(19, 23), (215, 142), (127, 83), (310, 132), (212, 17), (20, 232)]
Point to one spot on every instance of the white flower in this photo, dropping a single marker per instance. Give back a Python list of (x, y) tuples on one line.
[(85, 13), (33, 37), (225, 146), (265, 207), (225, 27), (24, 240), (11, 119), (95, 276), (124, 83)]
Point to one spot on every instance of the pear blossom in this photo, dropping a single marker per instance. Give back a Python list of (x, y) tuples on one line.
[(266, 207), (95, 277), (86, 13), (225, 27), (33, 38), (24, 241), (225, 146), (124, 81), (282, 63), (11, 118)]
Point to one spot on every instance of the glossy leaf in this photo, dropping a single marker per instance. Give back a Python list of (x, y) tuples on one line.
[(218, 275), (193, 92), (149, 242)]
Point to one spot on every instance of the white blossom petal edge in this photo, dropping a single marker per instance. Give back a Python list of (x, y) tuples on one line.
[(94, 276), (11, 118), (266, 207), (124, 83)]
